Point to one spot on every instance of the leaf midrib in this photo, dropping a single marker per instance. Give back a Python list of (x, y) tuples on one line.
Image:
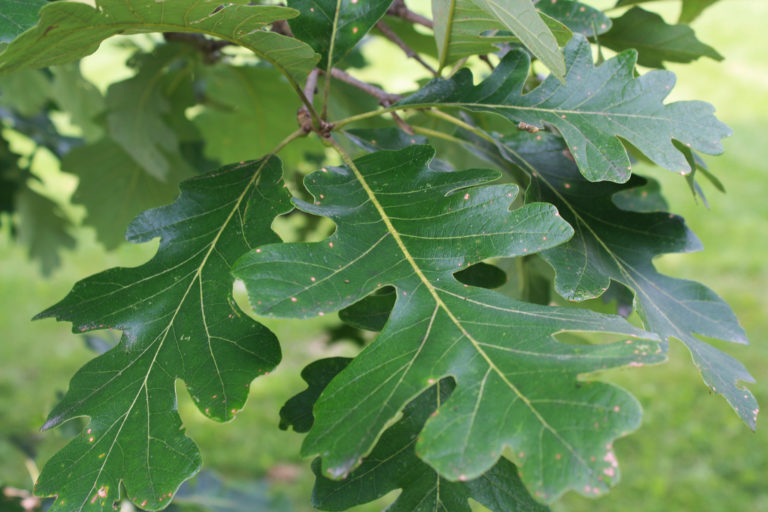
[(441, 304), (252, 182)]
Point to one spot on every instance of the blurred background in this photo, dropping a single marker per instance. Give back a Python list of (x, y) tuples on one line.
[(691, 453)]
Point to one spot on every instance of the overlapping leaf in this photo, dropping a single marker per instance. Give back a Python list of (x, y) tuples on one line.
[(70, 30), (689, 9), (614, 244), (179, 321), (595, 106), (114, 188), (404, 225), (16, 16), (655, 41), (43, 228), (470, 27), (393, 464), (246, 113), (335, 25), (138, 108)]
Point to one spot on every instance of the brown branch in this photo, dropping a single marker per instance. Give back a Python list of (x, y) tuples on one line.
[(282, 27), (390, 34), (400, 10), (485, 59), (385, 98), (304, 116), (210, 48)]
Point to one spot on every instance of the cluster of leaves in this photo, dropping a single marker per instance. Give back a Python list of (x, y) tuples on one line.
[(472, 388)]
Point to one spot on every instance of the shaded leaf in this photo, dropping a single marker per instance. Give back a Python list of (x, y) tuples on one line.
[(26, 92), (473, 27), (208, 492), (689, 9), (655, 40), (137, 108), (79, 98), (68, 31), (16, 16), (611, 244), (594, 107), (114, 188), (43, 228), (297, 412), (179, 320), (326, 30), (402, 224), (577, 16), (393, 464), (246, 113)]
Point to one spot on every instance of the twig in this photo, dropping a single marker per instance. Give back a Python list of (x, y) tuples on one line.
[(399, 10), (402, 124), (304, 116), (389, 34), (385, 98), (210, 48), (485, 59), (281, 27)]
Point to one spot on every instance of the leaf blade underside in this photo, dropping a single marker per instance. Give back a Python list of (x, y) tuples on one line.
[(68, 31), (412, 228), (179, 321)]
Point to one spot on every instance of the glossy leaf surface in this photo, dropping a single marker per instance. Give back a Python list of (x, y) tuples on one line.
[(179, 320), (655, 41), (404, 225), (337, 24), (595, 106), (68, 31)]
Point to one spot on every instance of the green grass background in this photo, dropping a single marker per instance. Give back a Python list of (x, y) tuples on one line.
[(691, 453)]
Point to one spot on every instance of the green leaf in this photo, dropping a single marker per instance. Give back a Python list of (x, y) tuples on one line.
[(79, 98), (655, 40), (179, 320), (43, 228), (522, 19), (138, 108), (402, 224), (70, 30), (25, 92), (10, 175), (619, 245), (471, 27), (595, 106), (114, 188), (246, 113), (393, 464), (209, 492), (689, 9), (297, 412), (16, 16), (577, 16), (334, 27)]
